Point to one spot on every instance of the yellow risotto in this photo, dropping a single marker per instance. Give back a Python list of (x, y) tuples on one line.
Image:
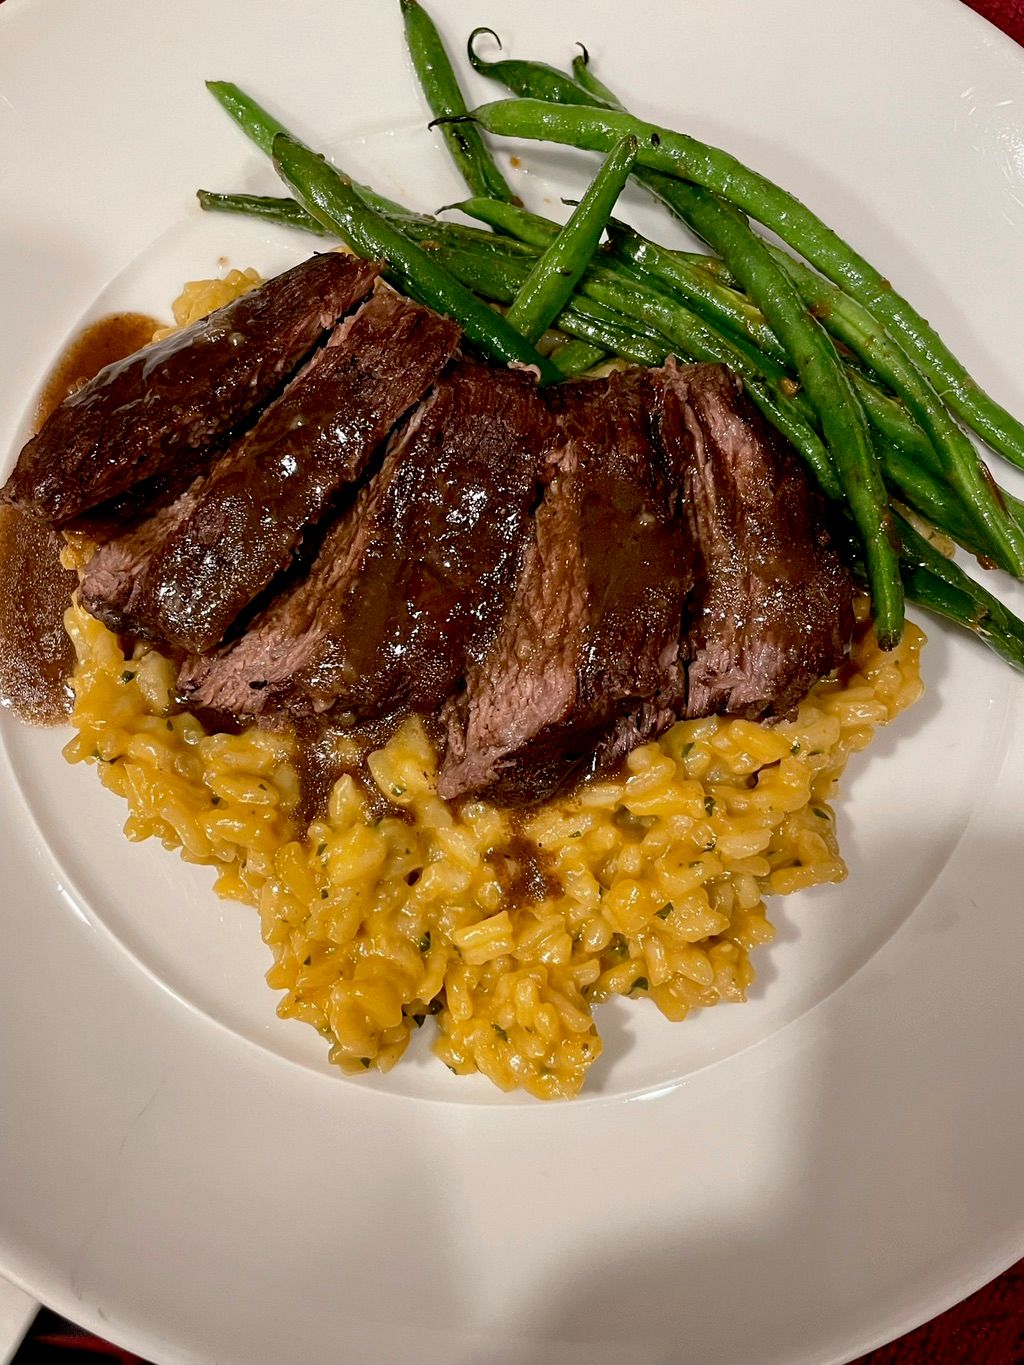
[(651, 885), (655, 882)]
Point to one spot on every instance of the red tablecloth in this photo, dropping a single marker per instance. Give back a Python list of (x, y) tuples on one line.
[(986, 1329), (1005, 14)]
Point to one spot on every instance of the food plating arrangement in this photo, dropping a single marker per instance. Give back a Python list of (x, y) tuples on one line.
[(494, 602)]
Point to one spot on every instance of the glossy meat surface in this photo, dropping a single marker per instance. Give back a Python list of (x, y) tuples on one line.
[(772, 608), (592, 634), (380, 524), (185, 578), (142, 415), (411, 583)]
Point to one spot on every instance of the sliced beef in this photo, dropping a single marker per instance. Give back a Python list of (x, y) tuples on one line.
[(413, 580), (147, 412), (592, 634), (118, 516), (772, 609), (185, 578)]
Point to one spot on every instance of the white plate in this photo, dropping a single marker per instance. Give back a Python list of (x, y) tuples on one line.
[(794, 1180)]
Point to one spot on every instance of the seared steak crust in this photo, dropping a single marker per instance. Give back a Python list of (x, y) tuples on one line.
[(186, 578), (678, 567), (592, 633), (411, 582), (772, 607), (144, 414), (555, 577)]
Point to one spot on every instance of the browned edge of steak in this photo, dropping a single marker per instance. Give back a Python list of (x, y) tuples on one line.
[(772, 609), (145, 413), (592, 633), (413, 579), (185, 580)]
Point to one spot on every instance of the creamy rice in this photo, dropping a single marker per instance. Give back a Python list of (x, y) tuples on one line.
[(654, 883)]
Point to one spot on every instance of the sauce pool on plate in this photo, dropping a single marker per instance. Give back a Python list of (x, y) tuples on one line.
[(36, 656)]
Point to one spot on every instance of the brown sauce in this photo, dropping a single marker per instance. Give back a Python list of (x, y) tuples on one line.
[(319, 764), (100, 344), (36, 656), (524, 871)]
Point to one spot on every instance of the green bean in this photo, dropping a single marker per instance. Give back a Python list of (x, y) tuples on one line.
[(530, 228), (552, 280), (534, 229), (917, 489), (588, 82), (534, 79), (940, 585), (424, 229), (890, 419), (419, 226), (786, 411), (441, 88), (257, 124), (904, 442), (272, 209), (848, 322), (539, 232), (853, 323), (677, 154), (898, 430), (697, 286), (917, 483), (919, 486), (262, 128), (962, 607), (761, 362), (681, 271), (278, 209), (331, 197), (500, 279), (913, 471), (576, 357), (894, 424), (699, 339), (673, 330), (588, 320), (699, 281), (765, 380)]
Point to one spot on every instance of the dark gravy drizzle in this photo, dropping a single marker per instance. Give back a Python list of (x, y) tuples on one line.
[(319, 764), (525, 872), (36, 656)]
